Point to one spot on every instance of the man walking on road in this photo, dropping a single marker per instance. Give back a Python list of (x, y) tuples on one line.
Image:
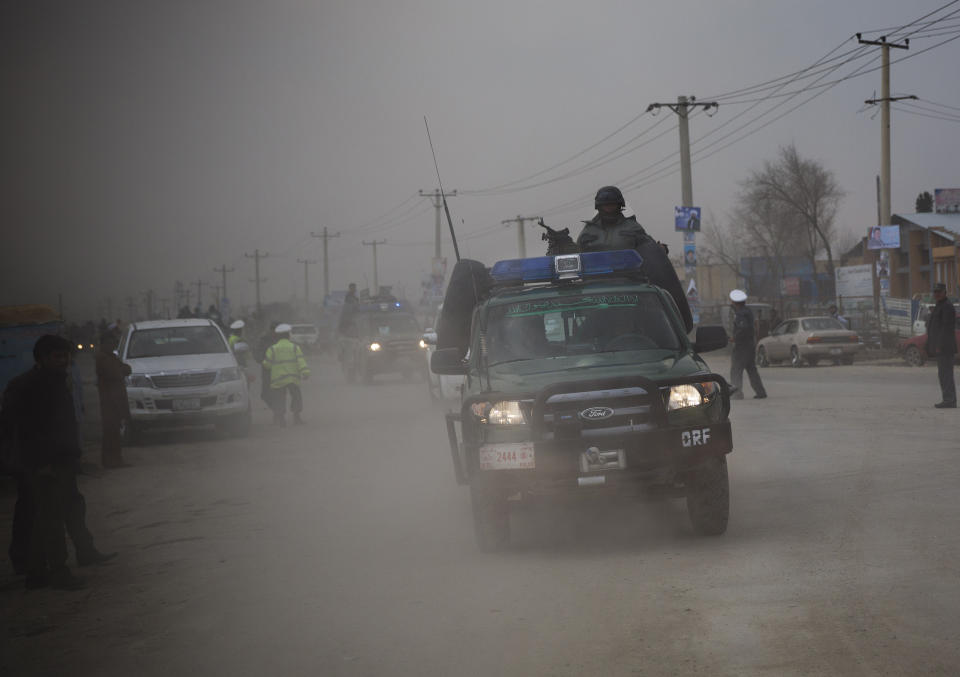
[(942, 344), (287, 367), (40, 422), (114, 407), (744, 348)]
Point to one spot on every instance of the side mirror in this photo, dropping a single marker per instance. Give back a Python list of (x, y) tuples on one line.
[(713, 337), (430, 337), (448, 362)]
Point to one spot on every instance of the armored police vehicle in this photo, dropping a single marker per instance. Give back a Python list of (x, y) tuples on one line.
[(580, 379), (379, 337)]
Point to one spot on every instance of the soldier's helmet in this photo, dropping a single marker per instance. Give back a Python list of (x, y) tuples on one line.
[(609, 195)]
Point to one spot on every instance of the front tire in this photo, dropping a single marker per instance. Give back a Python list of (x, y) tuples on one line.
[(762, 360), (914, 356), (708, 497), (131, 434), (795, 359), (491, 518)]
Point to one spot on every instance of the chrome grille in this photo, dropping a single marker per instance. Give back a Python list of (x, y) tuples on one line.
[(189, 379), (631, 411)]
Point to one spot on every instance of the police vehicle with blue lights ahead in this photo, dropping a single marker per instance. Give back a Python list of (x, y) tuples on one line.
[(580, 379)]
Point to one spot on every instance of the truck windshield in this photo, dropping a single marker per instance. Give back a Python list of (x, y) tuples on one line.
[(166, 341), (573, 325)]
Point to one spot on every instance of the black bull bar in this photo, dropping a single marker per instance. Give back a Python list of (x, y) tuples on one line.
[(470, 426)]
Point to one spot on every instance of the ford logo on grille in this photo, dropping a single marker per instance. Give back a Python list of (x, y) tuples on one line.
[(596, 413)]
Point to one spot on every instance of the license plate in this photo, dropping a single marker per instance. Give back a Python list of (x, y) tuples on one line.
[(516, 456), (186, 405), (836, 351)]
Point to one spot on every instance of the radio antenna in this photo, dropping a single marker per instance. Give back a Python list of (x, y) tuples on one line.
[(446, 209)]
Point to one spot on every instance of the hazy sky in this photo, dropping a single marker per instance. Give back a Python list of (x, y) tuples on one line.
[(146, 142)]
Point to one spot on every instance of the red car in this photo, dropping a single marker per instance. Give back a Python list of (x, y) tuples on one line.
[(914, 350)]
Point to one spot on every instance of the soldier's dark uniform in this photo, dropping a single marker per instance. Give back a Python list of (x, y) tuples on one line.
[(616, 231), (743, 357)]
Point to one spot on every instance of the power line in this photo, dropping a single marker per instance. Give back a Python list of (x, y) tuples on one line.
[(565, 161), (925, 115)]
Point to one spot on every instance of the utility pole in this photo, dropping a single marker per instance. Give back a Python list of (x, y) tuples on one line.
[(306, 280), (148, 300), (200, 284), (131, 308), (216, 291), (438, 205), (682, 110), (376, 281), (223, 270), (165, 304), (884, 101), (521, 238), (256, 256), (326, 261)]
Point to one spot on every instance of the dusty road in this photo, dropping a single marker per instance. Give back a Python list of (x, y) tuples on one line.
[(344, 548)]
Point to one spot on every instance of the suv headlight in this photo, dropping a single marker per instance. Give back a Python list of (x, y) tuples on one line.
[(691, 395), (499, 413), (229, 374), (505, 413), (139, 381)]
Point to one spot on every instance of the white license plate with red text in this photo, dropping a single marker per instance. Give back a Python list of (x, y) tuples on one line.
[(511, 456)]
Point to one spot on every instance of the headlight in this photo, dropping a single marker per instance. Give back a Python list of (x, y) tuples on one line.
[(690, 395), (139, 381), (375, 346), (505, 413), (229, 374), (423, 344), (79, 346), (684, 396)]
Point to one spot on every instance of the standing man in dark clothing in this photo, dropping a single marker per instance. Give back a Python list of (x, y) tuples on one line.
[(351, 296), (942, 344), (39, 418), (267, 340), (114, 406), (744, 348), (610, 230)]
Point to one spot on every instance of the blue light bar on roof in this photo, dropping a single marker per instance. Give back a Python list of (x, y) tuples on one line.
[(547, 268)]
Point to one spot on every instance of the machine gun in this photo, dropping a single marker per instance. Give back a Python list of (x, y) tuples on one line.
[(558, 241)]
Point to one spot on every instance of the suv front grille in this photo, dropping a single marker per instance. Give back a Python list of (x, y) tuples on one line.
[(184, 380), (615, 412)]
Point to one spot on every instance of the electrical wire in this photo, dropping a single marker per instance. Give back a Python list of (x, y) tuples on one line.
[(924, 115)]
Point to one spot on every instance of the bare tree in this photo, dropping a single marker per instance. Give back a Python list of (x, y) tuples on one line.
[(807, 192)]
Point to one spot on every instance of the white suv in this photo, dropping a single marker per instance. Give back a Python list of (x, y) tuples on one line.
[(183, 374)]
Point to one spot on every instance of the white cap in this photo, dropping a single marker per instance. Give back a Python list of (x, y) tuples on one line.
[(738, 296), (239, 324), (283, 328)]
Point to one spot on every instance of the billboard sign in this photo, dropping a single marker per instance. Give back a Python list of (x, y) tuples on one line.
[(854, 280), (686, 219), (946, 200), (883, 237)]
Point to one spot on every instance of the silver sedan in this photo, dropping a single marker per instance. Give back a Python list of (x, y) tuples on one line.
[(807, 340)]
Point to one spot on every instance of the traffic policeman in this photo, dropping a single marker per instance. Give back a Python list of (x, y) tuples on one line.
[(236, 342), (287, 367), (744, 348)]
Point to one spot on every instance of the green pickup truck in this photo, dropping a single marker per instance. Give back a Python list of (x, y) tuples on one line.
[(580, 379)]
